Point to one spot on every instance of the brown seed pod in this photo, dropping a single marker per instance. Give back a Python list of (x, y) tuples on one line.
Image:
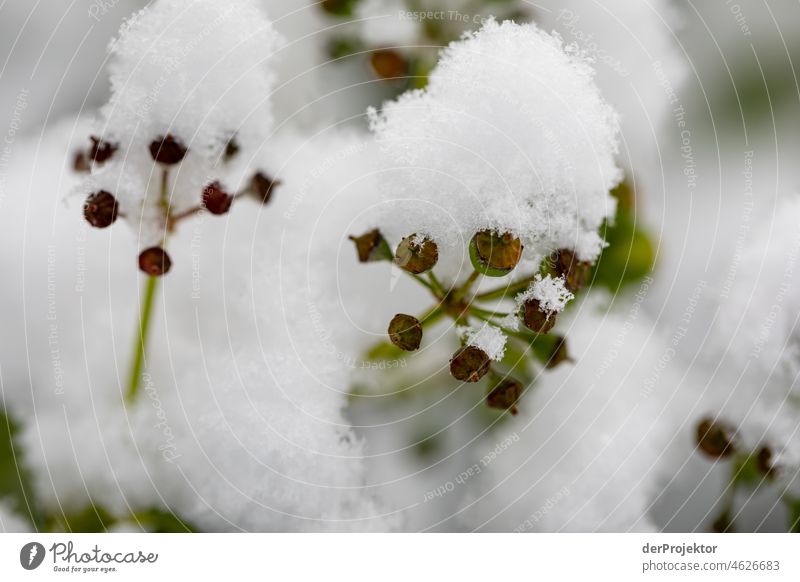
[(765, 464), (388, 64), (469, 364), (231, 150), (101, 151), (405, 331), (80, 163), (493, 254), (154, 262), (535, 319), (576, 273), (505, 394), (371, 247), (416, 257), (263, 186), (714, 439), (215, 199), (167, 150), (101, 209)]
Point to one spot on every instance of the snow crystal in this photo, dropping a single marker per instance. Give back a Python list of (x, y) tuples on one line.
[(551, 293), (511, 134), (487, 337)]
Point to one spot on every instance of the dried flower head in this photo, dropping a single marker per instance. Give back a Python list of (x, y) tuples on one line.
[(154, 262), (215, 199), (495, 255), (469, 364), (417, 255), (101, 209), (505, 394), (405, 331), (714, 439), (167, 150), (371, 247)]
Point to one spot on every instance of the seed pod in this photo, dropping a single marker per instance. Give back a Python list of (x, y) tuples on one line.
[(263, 186), (765, 464), (505, 394), (167, 150), (231, 150), (388, 64), (405, 331), (714, 439), (155, 262), (215, 199), (469, 364), (416, 257), (494, 255), (576, 273), (101, 209), (535, 319), (559, 354), (80, 163), (371, 247), (101, 151)]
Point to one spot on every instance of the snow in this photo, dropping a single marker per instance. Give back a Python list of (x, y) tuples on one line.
[(550, 292), (512, 135), (487, 337), (384, 23)]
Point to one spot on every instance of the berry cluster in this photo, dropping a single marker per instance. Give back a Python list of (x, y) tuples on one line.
[(495, 342), (101, 208)]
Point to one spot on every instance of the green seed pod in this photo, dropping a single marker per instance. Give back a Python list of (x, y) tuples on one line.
[(405, 331), (371, 247), (494, 255), (416, 257), (469, 364), (505, 394), (535, 319), (714, 439)]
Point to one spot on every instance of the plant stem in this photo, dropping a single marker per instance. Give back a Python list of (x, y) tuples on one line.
[(501, 292), (437, 285), (464, 289), (140, 346)]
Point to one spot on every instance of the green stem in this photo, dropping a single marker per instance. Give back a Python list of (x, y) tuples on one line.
[(140, 347), (502, 292), (461, 292), (437, 285)]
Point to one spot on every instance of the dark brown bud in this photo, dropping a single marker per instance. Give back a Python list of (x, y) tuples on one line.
[(263, 186), (167, 150), (416, 256), (371, 247), (388, 64), (101, 151), (493, 254), (215, 199), (723, 523), (80, 162), (155, 262), (101, 209), (765, 464), (535, 319), (231, 150), (559, 354), (469, 364), (576, 273), (505, 394), (405, 331), (714, 439)]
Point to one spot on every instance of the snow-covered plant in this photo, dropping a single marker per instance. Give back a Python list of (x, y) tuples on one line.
[(189, 111), (500, 168)]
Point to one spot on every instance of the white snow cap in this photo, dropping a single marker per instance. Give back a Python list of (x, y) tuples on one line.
[(486, 337), (511, 134), (551, 293), (198, 71)]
